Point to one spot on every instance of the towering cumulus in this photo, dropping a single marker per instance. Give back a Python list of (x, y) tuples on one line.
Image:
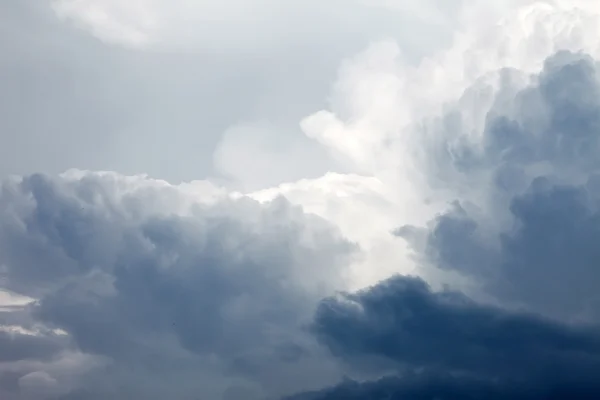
[(429, 230)]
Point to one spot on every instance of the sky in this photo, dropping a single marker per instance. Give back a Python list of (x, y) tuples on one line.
[(301, 200)]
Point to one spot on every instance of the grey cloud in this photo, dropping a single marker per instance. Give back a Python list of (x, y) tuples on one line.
[(139, 277), (529, 236), (402, 320), (432, 385), (445, 345), (524, 226), (15, 346)]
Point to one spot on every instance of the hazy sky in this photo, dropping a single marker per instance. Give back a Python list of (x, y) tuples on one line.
[(302, 200), (85, 95)]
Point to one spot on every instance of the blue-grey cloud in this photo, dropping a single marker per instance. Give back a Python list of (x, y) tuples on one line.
[(150, 278), (445, 345), (439, 385), (143, 290), (524, 225), (403, 321), (529, 235), (16, 346)]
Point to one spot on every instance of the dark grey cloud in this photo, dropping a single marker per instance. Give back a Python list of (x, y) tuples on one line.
[(436, 385), (16, 346), (523, 226), (404, 321), (153, 281), (148, 291), (445, 345), (529, 233)]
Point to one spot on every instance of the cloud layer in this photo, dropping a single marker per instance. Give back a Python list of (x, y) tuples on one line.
[(532, 227), (448, 253), (144, 275), (512, 154), (444, 345)]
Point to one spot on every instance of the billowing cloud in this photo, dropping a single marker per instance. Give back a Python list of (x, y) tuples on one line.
[(403, 321), (529, 235), (473, 168), (166, 279), (507, 148), (444, 345)]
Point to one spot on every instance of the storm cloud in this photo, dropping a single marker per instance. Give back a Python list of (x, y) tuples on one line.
[(528, 230), (147, 275), (428, 232), (522, 226)]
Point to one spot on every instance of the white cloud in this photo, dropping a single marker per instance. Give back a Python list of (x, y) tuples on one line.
[(382, 124), (366, 209), (260, 155), (385, 123)]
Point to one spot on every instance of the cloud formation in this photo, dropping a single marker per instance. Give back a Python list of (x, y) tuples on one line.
[(474, 171), (508, 150), (529, 234), (148, 276)]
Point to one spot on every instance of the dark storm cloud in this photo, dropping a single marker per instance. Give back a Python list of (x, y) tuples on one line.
[(531, 236), (443, 386), (525, 225), (403, 321), (135, 275), (547, 261), (15, 346), (444, 345)]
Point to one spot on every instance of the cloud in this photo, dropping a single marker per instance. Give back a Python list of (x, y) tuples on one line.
[(15, 346), (483, 154), (247, 153), (402, 320), (166, 280), (163, 111), (500, 132), (445, 345), (529, 234), (436, 385)]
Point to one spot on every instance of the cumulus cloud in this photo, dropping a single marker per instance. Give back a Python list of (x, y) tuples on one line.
[(403, 321), (500, 132), (444, 345), (475, 168), (529, 234), (148, 276)]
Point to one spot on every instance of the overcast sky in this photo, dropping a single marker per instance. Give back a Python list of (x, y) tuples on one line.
[(84, 94), (307, 200)]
